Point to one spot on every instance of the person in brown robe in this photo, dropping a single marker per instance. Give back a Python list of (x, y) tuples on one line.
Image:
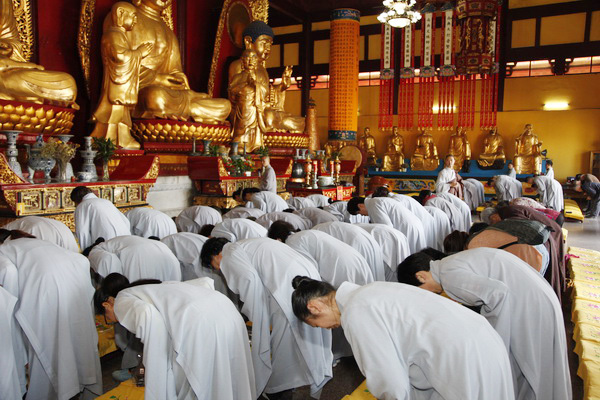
[(557, 272)]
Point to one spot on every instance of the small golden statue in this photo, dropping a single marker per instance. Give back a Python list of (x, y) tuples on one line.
[(425, 157), (493, 151), (366, 142), (394, 155), (459, 148), (24, 81), (528, 153), (151, 58), (258, 37)]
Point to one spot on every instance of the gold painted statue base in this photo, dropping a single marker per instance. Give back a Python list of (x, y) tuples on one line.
[(35, 118), (286, 140), (171, 131), (424, 164)]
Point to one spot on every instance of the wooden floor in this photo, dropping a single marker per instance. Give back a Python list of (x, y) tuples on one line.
[(347, 376)]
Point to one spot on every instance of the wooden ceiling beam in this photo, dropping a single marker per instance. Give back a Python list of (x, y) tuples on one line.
[(289, 9)]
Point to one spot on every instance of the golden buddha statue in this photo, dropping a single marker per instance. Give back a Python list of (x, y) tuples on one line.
[(528, 157), (258, 37), (425, 157), (366, 142), (247, 100), (121, 76), (459, 148), (24, 81), (393, 158), (493, 151)]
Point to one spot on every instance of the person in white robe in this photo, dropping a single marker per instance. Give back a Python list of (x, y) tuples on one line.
[(243, 212), (360, 240), (479, 197), (448, 180), (12, 371), (298, 221), (268, 179), (136, 258), (384, 210), (146, 222), (234, 229), (47, 229), (517, 302), (452, 212), (409, 343), (431, 235), (319, 200), (268, 202), (507, 188), (59, 327), (467, 219), (193, 218), (316, 215), (299, 355), (96, 218), (511, 171), (298, 203), (471, 193), (441, 226), (394, 247), (338, 210), (550, 191), (549, 169), (195, 341)]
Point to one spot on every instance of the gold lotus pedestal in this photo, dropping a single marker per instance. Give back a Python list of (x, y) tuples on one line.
[(35, 118), (148, 131), (285, 144)]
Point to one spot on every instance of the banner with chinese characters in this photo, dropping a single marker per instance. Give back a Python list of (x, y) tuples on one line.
[(406, 91), (386, 77), (427, 72)]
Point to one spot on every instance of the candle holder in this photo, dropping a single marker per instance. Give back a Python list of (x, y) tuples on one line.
[(12, 152), (315, 183), (308, 170), (206, 144), (88, 168), (338, 168)]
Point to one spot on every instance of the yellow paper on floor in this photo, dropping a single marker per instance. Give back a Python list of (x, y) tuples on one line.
[(585, 273), (125, 391), (587, 332), (586, 312), (590, 373), (588, 351), (360, 393), (106, 336)]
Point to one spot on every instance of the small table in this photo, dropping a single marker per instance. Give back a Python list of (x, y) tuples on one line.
[(335, 193)]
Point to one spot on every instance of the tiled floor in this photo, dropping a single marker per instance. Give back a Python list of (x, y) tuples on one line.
[(347, 376)]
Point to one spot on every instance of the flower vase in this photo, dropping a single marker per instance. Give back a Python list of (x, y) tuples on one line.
[(105, 175), (62, 175)]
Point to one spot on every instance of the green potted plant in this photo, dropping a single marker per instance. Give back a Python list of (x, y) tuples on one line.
[(263, 151), (106, 149)]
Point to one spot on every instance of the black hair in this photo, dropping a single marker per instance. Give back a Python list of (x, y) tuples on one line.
[(412, 264), (212, 247), (352, 206), (289, 210), (87, 250), (14, 234), (306, 289), (549, 162), (206, 230), (251, 218), (560, 220), (154, 238), (79, 193), (455, 242), (434, 253), (237, 193), (111, 285), (490, 181), (477, 227), (281, 230), (423, 194), (381, 191), (250, 190)]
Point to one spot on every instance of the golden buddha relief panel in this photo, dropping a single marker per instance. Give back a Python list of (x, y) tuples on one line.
[(32, 200), (134, 194), (106, 193), (66, 198), (52, 199), (120, 194)]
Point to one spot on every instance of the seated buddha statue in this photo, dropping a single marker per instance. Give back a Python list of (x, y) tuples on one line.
[(258, 37), (164, 90), (24, 81), (459, 148), (528, 157), (366, 142), (493, 151), (425, 157), (393, 158)]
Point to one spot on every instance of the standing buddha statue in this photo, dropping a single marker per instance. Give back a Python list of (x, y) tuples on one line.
[(24, 81), (493, 151), (366, 142), (528, 153), (459, 148), (425, 157)]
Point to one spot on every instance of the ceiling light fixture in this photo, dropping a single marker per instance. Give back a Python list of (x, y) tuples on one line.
[(399, 13)]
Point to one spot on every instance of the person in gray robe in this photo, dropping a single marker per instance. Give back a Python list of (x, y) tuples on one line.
[(550, 191), (268, 179), (360, 240), (409, 343), (516, 301), (299, 355), (507, 188)]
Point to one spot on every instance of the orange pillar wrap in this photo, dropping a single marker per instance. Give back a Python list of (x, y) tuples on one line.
[(343, 74)]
